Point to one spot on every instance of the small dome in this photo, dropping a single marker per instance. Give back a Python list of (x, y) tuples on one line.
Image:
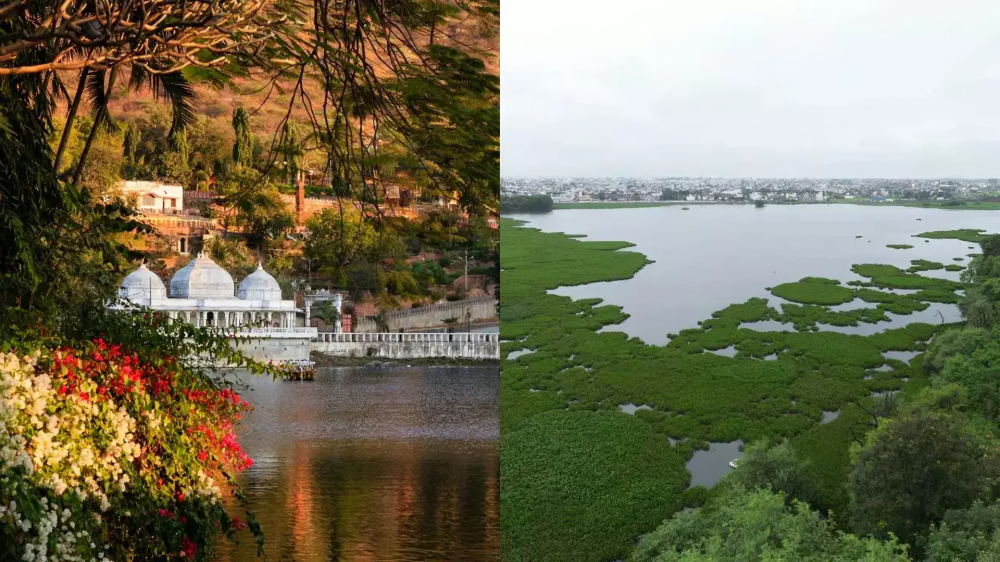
[(259, 286), (141, 285), (201, 279)]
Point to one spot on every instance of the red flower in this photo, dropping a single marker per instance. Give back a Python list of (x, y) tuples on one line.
[(189, 547), (182, 519), (84, 396), (202, 456), (63, 390), (180, 496)]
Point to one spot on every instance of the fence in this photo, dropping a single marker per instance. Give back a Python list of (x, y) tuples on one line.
[(432, 316)]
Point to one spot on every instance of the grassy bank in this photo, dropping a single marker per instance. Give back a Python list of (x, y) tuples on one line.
[(580, 480)]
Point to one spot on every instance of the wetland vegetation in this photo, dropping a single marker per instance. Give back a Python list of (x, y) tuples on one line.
[(582, 481)]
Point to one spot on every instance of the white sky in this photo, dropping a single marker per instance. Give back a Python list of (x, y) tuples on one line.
[(763, 88)]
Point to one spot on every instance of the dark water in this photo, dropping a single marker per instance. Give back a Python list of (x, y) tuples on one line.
[(362, 465), (714, 255)]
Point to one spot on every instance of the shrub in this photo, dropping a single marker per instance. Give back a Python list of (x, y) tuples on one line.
[(112, 457)]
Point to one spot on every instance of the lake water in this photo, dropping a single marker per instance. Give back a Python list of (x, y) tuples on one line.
[(394, 464), (715, 255), (712, 256)]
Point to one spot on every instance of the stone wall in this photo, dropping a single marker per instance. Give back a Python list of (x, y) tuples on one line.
[(409, 346), (432, 316)]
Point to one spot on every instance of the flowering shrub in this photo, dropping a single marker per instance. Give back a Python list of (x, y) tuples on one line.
[(108, 456)]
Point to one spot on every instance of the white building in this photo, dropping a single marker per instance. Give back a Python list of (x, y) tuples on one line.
[(155, 197), (202, 294)]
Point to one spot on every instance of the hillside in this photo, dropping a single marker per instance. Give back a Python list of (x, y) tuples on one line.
[(269, 105)]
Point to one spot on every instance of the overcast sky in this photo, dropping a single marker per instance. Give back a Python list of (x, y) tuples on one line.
[(763, 88)]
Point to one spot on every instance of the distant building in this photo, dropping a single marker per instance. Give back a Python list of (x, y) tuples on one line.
[(154, 197)]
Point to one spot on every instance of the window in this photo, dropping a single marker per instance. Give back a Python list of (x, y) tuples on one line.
[(148, 201), (173, 203)]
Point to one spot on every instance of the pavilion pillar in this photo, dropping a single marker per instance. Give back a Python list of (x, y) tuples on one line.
[(338, 303)]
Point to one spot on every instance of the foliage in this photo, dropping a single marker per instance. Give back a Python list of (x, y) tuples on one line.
[(776, 467), (968, 534), (899, 246), (964, 234), (758, 525), (118, 426), (811, 291), (233, 255), (912, 470), (539, 203), (614, 464), (975, 370), (339, 241), (243, 153), (252, 203)]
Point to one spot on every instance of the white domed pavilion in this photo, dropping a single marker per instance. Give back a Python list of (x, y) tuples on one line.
[(203, 294)]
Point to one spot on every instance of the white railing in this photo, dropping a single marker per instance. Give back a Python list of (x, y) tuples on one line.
[(330, 337), (265, 332)]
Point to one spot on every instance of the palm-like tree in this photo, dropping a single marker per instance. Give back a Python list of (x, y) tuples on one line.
[(327, 313), (174, 87)]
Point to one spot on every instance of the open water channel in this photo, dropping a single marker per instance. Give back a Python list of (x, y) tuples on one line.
[(711, 256), (389, 464)]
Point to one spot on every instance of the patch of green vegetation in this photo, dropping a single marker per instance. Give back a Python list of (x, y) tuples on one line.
[(953, 267), (590, 464), (899, 246), (814, 290), (974, 235), (958, 259), (924, 265), (891, 277), (858, 236), (580, 479)]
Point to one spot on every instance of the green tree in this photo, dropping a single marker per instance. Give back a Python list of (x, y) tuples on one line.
[(966, 535), (978, 373), (243, 148), (540, 203), (955, 342), (990, 246), (775, 467), (912, 471), (251, 202), (758, 525), (338, 241)]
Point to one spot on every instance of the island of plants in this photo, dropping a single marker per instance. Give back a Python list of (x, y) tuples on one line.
[(581, 480)]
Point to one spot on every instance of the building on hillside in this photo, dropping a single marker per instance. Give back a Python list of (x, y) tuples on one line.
[(204, 295), (154, 197)]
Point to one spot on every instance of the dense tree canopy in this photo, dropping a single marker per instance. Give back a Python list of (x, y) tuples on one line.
[(539, 203), (912, 471), (758, 525)]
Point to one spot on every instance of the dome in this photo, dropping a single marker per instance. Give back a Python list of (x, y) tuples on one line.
[(201, 279), (142, 284), (259, 286)]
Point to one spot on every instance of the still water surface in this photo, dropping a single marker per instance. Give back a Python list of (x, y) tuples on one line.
[(712, 256), (392, 464)]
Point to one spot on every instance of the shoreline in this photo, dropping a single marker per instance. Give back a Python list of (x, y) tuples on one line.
[(965, 206), (323, 360)]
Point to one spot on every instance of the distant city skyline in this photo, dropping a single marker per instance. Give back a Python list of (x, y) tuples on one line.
[(763, 89)]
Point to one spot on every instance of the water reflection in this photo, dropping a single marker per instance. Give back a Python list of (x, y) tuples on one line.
[(397, 464)]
